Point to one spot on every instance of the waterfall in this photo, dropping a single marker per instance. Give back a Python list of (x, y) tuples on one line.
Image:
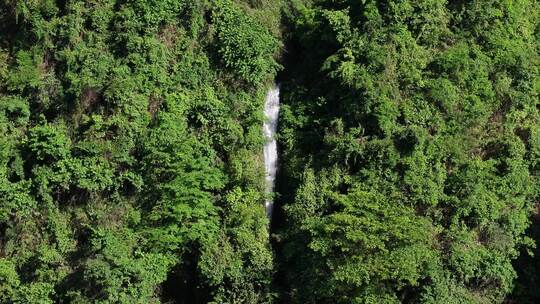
[(271, 112)]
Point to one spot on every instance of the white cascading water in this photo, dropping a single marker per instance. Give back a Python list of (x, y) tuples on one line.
[(271, 112)]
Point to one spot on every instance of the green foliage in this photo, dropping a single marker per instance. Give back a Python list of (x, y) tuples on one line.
[(49, 143), (130, 155), (239, 262), (117, 272), (382, 242), (244, 45), (121, 145), (9, 280), (416, 121)]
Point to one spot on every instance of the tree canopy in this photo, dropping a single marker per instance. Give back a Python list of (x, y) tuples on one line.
[(409, 133), (129, 163), (131, 151)]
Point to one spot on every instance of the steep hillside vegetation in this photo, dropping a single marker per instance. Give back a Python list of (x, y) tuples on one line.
[(410, 136), (130, 166)]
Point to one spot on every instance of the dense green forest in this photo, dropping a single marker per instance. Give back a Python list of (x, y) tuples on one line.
[(411, 134), (131, 166)]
